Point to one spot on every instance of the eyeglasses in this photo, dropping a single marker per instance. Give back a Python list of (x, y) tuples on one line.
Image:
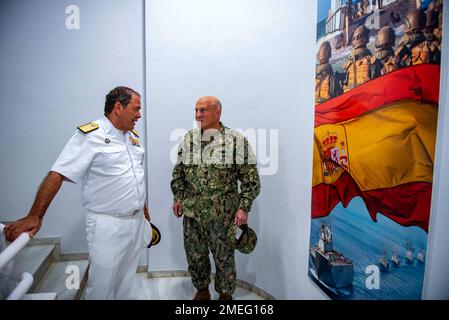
[(203, 110)]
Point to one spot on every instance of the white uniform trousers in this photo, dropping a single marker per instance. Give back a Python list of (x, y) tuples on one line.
[(114, 245)]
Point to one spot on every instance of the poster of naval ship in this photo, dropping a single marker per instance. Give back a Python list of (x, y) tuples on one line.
[(376, 110), (342, 263)]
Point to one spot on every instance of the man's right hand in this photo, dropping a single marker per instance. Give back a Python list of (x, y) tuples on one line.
[(30, 224), (177, 209)]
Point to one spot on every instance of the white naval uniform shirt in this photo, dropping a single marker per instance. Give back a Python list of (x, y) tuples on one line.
[(109, 164)]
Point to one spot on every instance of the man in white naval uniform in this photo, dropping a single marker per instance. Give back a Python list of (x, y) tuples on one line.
[(107, 158)]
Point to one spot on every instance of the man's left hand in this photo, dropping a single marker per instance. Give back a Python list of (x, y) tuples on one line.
[(241, 217)]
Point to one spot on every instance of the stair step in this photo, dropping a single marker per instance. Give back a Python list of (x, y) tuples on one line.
[(56, 276), (33, 259), (40, 296)]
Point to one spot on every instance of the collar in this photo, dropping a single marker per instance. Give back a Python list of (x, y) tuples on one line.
[(221, 129), (108, 127), (324, 69), (413, 39), (359, 53), (384, 54)]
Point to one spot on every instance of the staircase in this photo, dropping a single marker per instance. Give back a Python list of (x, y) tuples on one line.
[(55, 277)]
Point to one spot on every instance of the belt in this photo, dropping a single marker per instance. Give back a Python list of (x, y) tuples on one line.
[(119, 215)]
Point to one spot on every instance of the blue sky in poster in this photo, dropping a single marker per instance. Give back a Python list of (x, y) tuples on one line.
[(323, 8)]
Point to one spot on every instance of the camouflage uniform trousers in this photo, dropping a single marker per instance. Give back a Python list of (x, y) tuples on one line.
[(219, 238)]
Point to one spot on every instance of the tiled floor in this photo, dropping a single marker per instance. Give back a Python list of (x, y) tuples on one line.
[(177, 288)]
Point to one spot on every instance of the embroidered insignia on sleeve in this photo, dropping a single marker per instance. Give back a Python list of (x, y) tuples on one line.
[(135, 133), (88, 127)]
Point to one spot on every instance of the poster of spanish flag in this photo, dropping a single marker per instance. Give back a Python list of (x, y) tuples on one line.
[(376, 109)]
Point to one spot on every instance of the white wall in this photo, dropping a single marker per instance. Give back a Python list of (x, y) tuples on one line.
[(53, 80), (258, 57)]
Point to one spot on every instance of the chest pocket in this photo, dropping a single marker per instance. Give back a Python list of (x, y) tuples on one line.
[(138, 155), (112, 150), (191, 173), (221, 174), (322, 89), (362, 71), (112, 159)]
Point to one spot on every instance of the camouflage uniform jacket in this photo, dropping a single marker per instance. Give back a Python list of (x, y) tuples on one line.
[(326, 84), (415, 49), (206, 174), (387, 59), (361, 67)]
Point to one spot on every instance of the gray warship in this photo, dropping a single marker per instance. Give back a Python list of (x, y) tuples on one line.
[(394, 258), (331, 267), (420, 256)]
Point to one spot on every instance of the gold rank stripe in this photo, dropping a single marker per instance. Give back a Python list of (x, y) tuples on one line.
[(88, 127), (135, 133)]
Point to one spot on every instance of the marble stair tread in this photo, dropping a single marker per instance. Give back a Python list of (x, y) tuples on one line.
[(56, 277), (178, 288), (40, 296), (34, 260), (30, 258)]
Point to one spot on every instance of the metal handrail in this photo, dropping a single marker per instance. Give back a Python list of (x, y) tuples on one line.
[(13, 249), (7, 255), (22, 288)]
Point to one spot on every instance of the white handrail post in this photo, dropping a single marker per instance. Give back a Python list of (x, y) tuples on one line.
[(22, 287), (7, 255), (10, 252)]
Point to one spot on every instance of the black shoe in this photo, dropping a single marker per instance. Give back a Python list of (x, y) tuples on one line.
[(225, 297), (202, 294)]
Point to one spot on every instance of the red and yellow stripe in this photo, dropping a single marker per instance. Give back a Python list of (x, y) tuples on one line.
[(378, 142)]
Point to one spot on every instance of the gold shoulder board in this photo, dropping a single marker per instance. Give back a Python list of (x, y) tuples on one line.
[(88, 127), (135, 133)]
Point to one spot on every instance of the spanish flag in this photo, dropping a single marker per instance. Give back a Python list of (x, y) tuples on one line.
[(377, 141)]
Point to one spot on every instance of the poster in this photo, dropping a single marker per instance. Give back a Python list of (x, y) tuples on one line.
[(376, 109)]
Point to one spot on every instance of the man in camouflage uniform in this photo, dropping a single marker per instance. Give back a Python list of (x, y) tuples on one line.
[(438, 9), (326, 84), (385, 39), (432, 32), (414, 48), (362, 66), (211, 161)]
